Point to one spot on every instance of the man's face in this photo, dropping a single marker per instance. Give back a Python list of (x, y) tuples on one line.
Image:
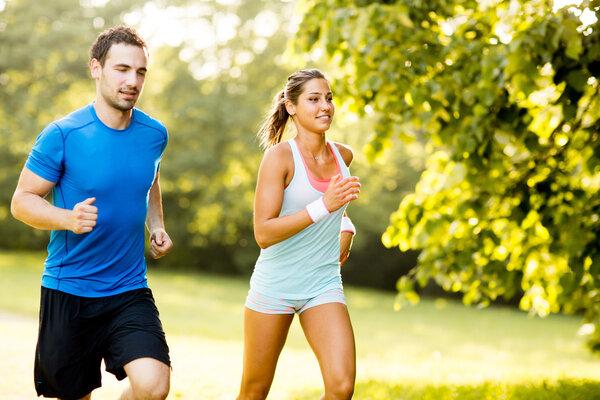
[(121, 79)]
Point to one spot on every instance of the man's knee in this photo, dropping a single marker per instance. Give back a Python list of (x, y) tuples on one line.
[(149, 379), (151, 391)]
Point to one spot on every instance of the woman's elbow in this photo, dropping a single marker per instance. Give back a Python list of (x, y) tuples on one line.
[(261, 243), (261, 239)]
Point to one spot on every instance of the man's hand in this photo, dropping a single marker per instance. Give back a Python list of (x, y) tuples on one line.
[(345, 244), (83, 217), (160, 243)]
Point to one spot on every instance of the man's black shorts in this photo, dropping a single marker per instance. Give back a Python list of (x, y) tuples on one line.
[(76, 333)]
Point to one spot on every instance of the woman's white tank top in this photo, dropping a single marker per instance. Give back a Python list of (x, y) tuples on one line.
[(301, 266)]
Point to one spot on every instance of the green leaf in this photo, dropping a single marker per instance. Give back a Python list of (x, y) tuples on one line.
[(510, 125), (577, 80)]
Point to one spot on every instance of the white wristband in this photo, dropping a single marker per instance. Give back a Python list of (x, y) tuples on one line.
[(317, 210), (347, 225)]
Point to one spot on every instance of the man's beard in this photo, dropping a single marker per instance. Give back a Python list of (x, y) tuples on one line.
[(120, 104), (125, 106)]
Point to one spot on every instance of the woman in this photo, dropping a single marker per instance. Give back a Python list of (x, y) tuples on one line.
[(299, 211)]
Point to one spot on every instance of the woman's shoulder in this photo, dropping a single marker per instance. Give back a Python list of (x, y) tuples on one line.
[(279, 155), (279, 160), (345, 151), (281, 150)]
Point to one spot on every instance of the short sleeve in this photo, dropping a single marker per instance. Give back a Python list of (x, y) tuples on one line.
[(166, 141), (46, 156), (164, 145)]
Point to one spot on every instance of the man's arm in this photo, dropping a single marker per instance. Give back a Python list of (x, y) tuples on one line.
[(29, 205), (160, 242)]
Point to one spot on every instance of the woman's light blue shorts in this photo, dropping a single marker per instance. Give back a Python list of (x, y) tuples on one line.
[(272, 305)]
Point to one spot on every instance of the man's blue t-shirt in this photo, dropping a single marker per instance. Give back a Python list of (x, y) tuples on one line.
[(89, 159)]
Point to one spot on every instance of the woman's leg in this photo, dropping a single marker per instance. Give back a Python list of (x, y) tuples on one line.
[(264, 337), (329, 332)]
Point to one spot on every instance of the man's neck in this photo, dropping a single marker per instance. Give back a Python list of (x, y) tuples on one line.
[(111, 117)]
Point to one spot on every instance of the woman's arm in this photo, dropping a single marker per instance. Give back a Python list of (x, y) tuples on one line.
[(346, 236), (269, 227)]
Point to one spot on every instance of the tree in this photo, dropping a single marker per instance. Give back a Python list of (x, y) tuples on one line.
[(389, 177), (212, 96), (209, 172), (44, 50), (505, 96), (210, 166)]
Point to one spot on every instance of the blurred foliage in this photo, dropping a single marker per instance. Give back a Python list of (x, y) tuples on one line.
[(384, 181), (44, 50), (210, 167), (505, 96), (212, 96)]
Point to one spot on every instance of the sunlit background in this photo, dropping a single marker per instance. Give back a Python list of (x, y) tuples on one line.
[(215, 68)]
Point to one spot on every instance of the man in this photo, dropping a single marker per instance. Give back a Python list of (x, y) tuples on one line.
[(101, 163)]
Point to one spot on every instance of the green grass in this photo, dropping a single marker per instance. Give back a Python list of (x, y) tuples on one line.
[(571, 389), (437, 350)]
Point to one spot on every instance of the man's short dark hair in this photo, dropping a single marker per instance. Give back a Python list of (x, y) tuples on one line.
[(115, 35)]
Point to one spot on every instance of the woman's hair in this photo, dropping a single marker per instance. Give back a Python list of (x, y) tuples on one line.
[(115, 35), (271, 131)]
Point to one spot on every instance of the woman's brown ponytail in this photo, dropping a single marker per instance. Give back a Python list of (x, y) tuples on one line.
[(271, 131)]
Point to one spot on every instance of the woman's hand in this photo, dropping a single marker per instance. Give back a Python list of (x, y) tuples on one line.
[(341, 191)]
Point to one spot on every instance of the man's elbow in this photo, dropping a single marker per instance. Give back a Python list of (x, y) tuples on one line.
[(14, 207)]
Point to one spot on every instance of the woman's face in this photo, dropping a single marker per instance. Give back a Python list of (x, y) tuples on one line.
[(314, 109)]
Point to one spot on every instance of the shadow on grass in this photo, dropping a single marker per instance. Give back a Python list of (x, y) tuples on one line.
[(567, 389)]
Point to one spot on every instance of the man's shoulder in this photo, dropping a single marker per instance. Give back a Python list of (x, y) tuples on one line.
[(142, 118), (75, 120)]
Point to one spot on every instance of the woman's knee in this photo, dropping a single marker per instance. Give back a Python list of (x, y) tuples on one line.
[(340, 388), (254, 391)]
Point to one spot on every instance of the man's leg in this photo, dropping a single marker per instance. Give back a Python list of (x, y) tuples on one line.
[(68, 354), (88, 397), (136, 347), (148, 380)]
